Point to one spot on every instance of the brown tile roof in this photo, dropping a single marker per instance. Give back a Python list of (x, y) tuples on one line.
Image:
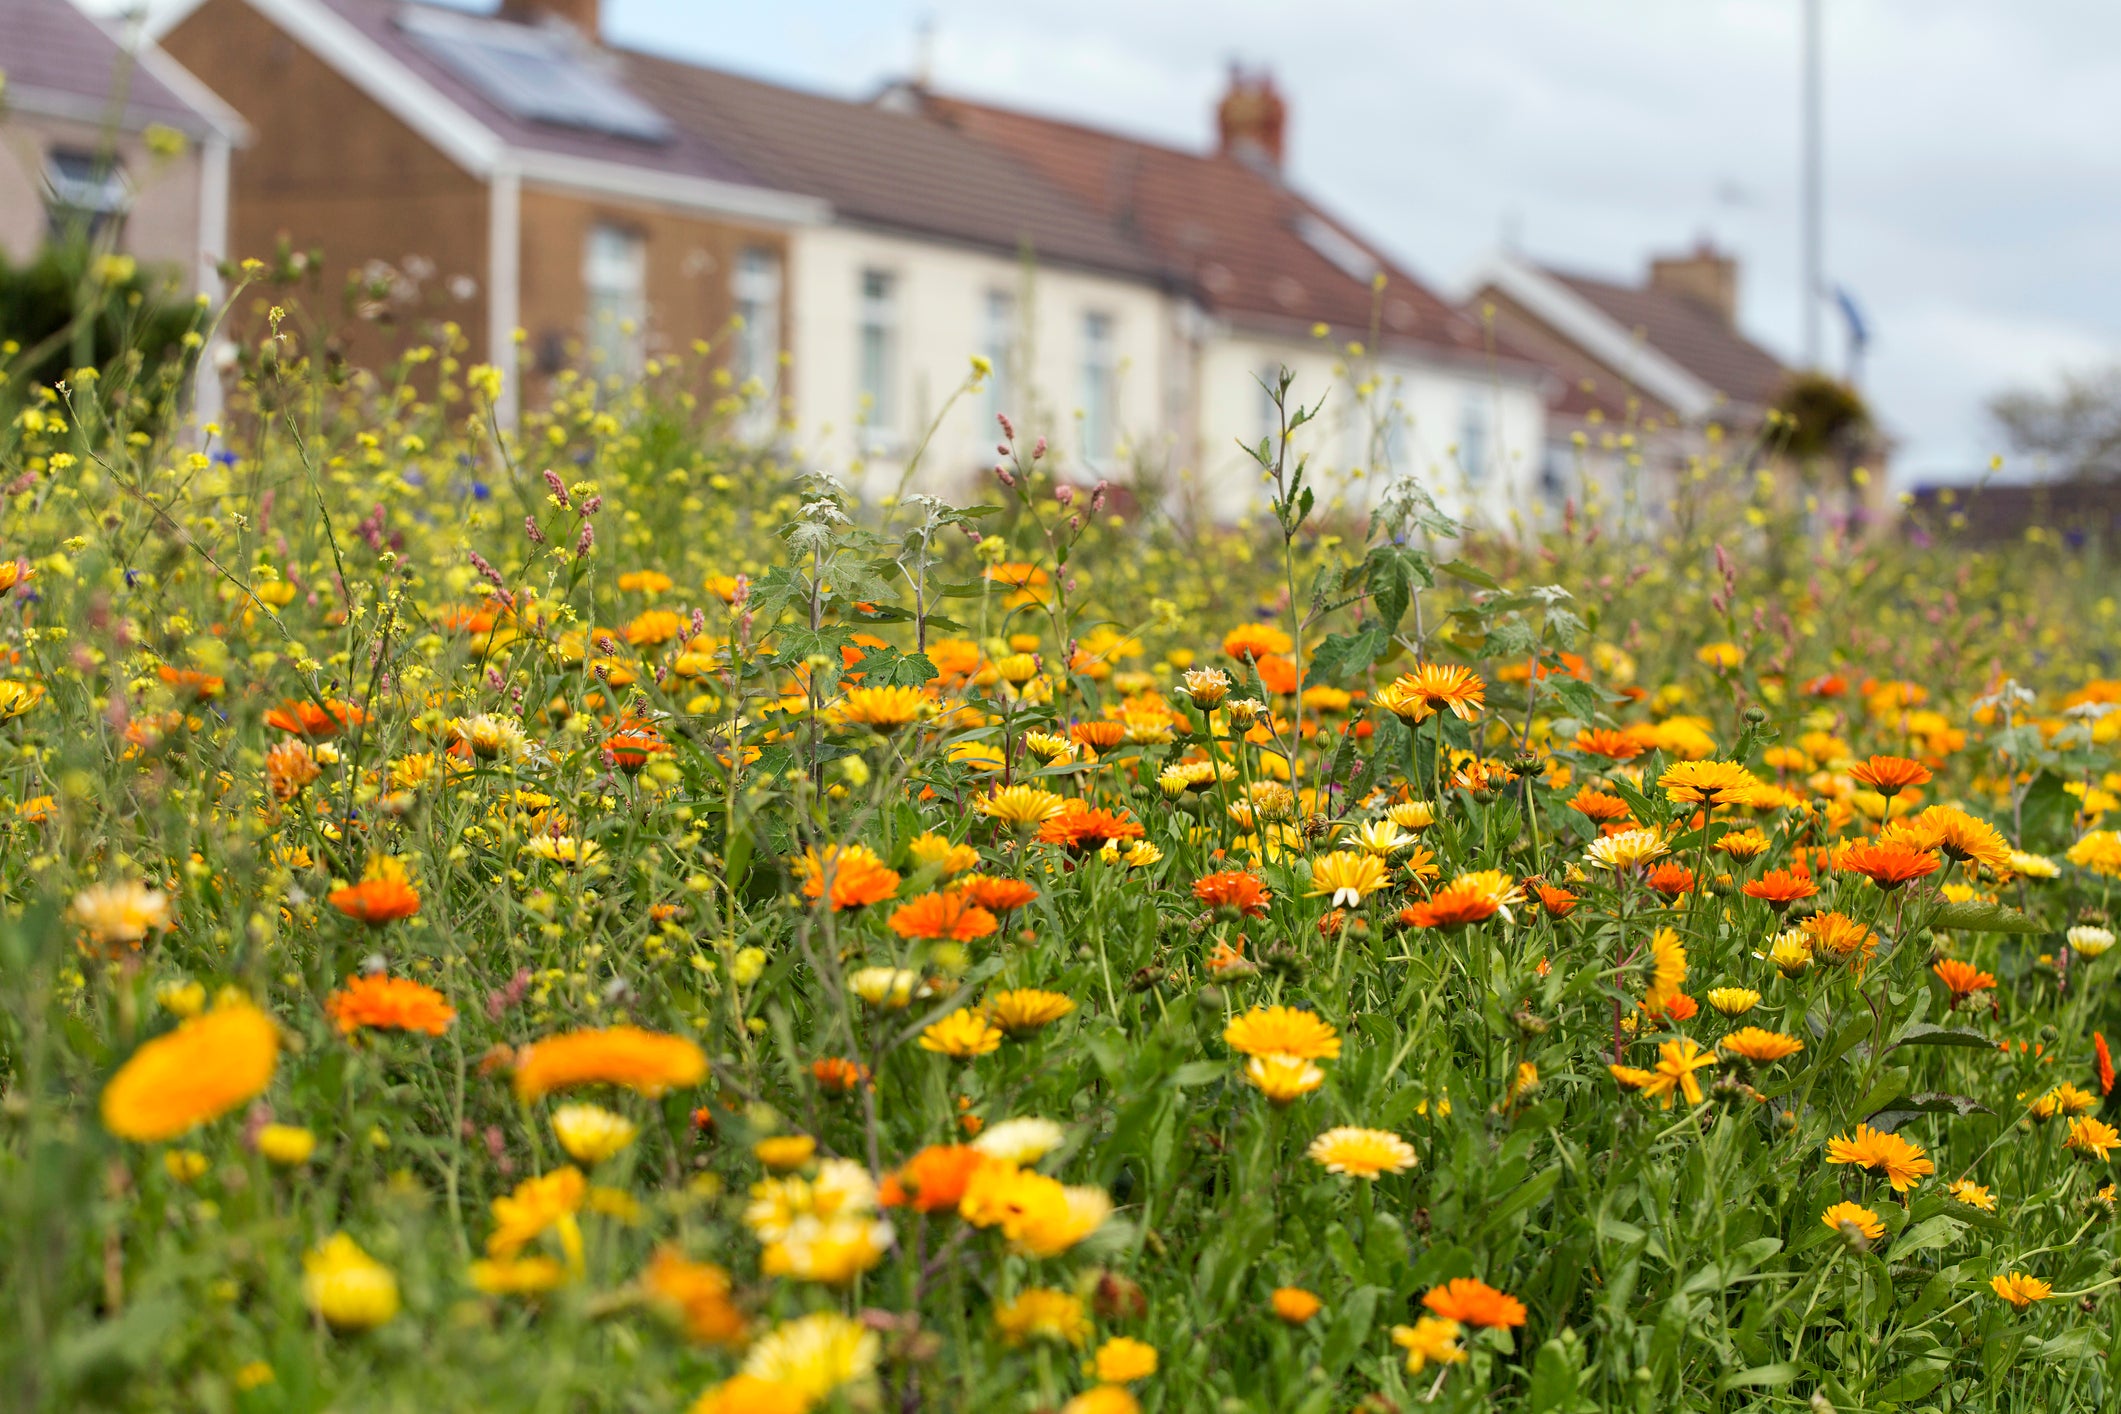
[(1254, 250), (50, 50), (878, 167), (1689, 335), (683, 154)]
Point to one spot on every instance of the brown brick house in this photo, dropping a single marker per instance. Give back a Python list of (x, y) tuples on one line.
[(497, 168)]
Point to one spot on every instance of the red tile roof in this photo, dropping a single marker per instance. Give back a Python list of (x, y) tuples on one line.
[(1690, 335), (1255, 250)]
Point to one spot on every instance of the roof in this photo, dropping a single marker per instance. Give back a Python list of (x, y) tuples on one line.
[(1256, 251), (61, 62), (885, 168), (1688, 334)]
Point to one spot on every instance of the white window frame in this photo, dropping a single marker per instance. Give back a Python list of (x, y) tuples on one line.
[(615, 286), (755, 292), (878, 353), (1100, 387)]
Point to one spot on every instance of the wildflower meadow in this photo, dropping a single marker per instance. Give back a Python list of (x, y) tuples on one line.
[(595, 915)]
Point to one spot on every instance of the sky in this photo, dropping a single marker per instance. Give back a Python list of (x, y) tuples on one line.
[(1973, 187)]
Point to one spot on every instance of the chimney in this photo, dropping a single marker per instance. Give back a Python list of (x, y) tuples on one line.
[(1708, 278), (1252, 119), (580, 14)]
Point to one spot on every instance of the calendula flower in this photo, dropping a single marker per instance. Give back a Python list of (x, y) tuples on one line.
[(1023, 1010), (1887, 864), (2088, 942), (286, 1145), (1837, 938), (517, 1276), (1668, 969), (1431, 688), (1779, 888), (937, 916), (647, 1062), (591, 1134), (2064, 1099), (1959, 835), (1474, 1303), (888, 987), (1961, 979), (1022, 1141), (1792, 953), (1733, 1001), (1348, 877), (1251, 641), (120, 913), (1889, 775), (1283, 1078), (1710, 783), (2094, 1138), (382, 1003), (1630, 849), (1854, 1215), (1361, 1153), (1281, 1030), (813, 1356), (784, 1153), (1123, 1358), (206, 1067), (933, 1180), (858, 876), (1237, 890), (1966, 1191), (1467, 899), (1761, 1046), (1295, 1305), (1673, 1075), (490, 737), (964, 1033), (748, 1394), (1899, 1160), (1431, 1340), (1082, 830), (348, 1288), (566, 850), (1040, 1313), (2019, 1289), (996, 895), (383, 895), (941, 853), (1607, 743), (882, 709), (1020, 807), (2098, 851)]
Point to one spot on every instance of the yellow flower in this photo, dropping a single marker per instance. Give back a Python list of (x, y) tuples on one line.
[(1430, 1340), (785, 1152), (1973, 1194), (1792, 953), (882, 709), (1900, 1160), (1020, 1141), (196, 1073), (2099, 851), (814, 1356), (348, 1288), (1042, 1216), (887, 987), (538, 1204), (1026, 1009), (1733, 1001), (1041, 1313), (2094, 1137), (1674, 1073), (1295, 1305), (1019, 807), (1283, 1078), (1123, 1358), (185, 1165), (590, 1133), (1627, 850), (1854, 1214), (517, 1276), (286, 1145), (1103, 1399), (2020, 1290), (1348, 876), (964, 1033), (1284, 1031), (181, 999), (939, 852), (1362, 1153), (121, 913)]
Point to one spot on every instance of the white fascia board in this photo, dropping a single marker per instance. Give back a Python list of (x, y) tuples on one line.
[(562, 172), (226, 121), (369, 67), (1584, 324)]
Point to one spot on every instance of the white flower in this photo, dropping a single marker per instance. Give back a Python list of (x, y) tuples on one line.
[(2087, 941), (1020, 1141)]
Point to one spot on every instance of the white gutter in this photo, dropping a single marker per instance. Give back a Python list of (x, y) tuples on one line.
[(504, 287), (213, 249)]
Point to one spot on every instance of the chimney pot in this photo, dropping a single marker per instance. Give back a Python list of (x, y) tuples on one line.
[(1252, 120), (582, 15), (1706, 277)]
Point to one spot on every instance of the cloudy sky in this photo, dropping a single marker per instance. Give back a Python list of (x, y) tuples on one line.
[(1973, 184)]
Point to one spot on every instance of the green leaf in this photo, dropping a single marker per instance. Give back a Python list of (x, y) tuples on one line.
[(1347, 655), (887, 667), (2047, 812), (1198, 1073), (1929, 1102), (1922, 1033), (1759, 1377), (1985, 918), (1471, 574)]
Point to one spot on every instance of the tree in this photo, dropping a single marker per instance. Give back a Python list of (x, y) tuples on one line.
[(2074, 429)]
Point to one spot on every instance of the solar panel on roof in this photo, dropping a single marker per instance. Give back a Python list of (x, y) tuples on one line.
[(538, 75)]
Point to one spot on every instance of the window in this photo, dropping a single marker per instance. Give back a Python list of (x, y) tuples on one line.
[(616, 273), (1473, 439), (1001, 352), (1100, 389), (86, 196), (879, 353), (756, 293)]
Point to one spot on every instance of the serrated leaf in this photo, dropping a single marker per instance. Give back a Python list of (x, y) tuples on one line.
[(1923, 1033), (1346, 655), (1928, 1102)]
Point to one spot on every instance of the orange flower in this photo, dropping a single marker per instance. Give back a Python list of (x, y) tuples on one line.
[(1598, 806), (1084, 830), (1247, 893), (1838, 938), (1671, 879), (882, 709), (1295, 1305), (383, 895), (1431, 688), (305, 718), (996, 895), (1761, 1046), (1958, 834), (289, 766), (1277, 674), (2106, 1064), (388, 1004), (645, 1061), (1888, 864), (1612, 745), (1889, 775), (1962, 978), (633, 743), (1098, 736), (191, 682), (1456, 904), (1474, 1303), (859, 877), (697, 1293), (1559, 903), (838, 1076), (1901, 1161), (934, 1180), (198, 1072), (1254, 640), (947, 914), (1779, 888), (1709, 783)]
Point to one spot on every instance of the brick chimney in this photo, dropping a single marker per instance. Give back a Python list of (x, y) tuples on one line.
[(581, 14), (1708, 277), (1252, 119)]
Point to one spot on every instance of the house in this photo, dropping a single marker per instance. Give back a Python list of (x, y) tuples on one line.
[(504, 158), (104, 136), (1658, 370), (1265, 278)]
